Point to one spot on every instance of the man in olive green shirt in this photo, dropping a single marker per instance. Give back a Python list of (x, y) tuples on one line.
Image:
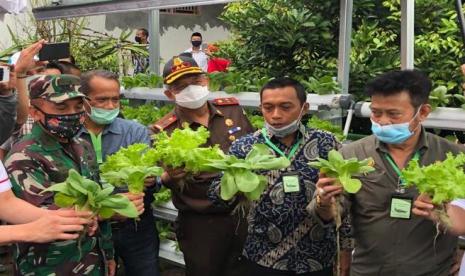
[(389, 239)]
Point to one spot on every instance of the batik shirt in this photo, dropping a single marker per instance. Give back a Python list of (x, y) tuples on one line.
[(282, 234), (35, 163)]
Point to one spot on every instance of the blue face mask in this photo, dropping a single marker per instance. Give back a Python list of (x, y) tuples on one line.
[(393, 133)]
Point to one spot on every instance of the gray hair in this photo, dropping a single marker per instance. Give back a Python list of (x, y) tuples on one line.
[(87, 77)]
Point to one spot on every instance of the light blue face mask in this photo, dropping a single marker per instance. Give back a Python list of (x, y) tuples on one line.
[(393, 133), (103, 116)]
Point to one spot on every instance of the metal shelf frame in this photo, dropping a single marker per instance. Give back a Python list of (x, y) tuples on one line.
[(246, 99)]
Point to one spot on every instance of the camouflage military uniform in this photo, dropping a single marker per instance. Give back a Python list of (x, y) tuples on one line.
[(35, 163)]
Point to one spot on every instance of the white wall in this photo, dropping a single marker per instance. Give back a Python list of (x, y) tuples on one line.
[(175, 29)]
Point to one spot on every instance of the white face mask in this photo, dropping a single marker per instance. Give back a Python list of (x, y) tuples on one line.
[(192, 97), (285, 130)]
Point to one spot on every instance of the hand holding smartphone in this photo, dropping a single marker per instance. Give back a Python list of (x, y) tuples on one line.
[(54, 51), (4, 74)]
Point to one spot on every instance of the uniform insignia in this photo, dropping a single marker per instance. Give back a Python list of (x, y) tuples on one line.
[(226, 101), (166, 121), (229, 122), (234, 130), (232, 138)]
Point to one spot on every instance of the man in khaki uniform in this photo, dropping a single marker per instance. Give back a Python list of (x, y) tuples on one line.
[(389, 239), (209, 236)]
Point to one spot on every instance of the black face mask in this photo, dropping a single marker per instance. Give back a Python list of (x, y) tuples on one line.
[(138, 39), (196, 43), (63, 126)]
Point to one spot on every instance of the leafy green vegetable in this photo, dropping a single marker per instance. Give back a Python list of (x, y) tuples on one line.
[(85, 194), (257, 121), (146, 114), (322, 86), (131, 166), (142, 80), (162, 196), (318, 123), (439, 97), (443, 181), (239, 176), (183, 149), (343, 170)]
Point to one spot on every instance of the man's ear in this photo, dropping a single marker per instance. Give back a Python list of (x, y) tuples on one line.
[(169, 94), (305, 108), (35, 114), (424, 111)]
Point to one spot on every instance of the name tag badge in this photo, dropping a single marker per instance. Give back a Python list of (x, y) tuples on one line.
[(291, 183), (401, 206)]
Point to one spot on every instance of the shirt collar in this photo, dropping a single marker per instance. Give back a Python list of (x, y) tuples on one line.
[(185, 118), (302, 134), (421, 145), (114, 127), (45, 139)]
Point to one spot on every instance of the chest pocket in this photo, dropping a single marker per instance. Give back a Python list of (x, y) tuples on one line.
[(375, 193)]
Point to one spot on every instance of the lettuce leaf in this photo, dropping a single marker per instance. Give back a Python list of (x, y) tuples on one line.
[(443, 181), (343, 169)]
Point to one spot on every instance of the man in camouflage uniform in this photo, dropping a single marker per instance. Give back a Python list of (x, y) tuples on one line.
[(43, 159)]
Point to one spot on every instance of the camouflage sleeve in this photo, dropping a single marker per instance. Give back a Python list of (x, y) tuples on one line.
[(29, 179), (107, 243)]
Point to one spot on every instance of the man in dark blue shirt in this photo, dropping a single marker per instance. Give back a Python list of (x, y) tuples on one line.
[(283, 237)]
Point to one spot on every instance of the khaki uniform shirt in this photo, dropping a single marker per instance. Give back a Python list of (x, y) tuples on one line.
[(389, 246), (227, 122)]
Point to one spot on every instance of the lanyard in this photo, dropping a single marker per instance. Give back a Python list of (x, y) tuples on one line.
[(275, 148), (97, 144), (393, 164)]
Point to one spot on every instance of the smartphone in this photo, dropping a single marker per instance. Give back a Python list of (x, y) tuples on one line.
[(54, 51), (4, 74), (204, 47)]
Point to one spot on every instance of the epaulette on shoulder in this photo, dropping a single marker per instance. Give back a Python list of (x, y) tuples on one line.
[(166, 121), (226, 101)]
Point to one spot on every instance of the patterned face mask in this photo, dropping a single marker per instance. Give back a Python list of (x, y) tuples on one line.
[(63, 126)]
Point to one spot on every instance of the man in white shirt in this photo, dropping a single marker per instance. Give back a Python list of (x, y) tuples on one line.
[(198, 54)]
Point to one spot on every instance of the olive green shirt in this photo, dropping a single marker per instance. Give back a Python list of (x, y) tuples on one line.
[(389, 246)]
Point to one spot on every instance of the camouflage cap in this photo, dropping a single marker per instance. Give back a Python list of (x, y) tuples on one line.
[(180, 66), (55, 88)]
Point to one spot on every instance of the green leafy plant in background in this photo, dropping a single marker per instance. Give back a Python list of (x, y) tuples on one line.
[(146, 114), (257, 121), (322, 86), (131, 166), (439, 97), (275, 38), (442, 181), (85, 194), (162, 196), (326, 125), (142, 80)]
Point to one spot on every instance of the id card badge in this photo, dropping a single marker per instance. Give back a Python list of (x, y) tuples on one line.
[(401, 206), (291, 183)]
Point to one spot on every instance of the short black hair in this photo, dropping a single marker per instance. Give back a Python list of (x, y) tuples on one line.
[(144, 31), (87, 77), (196, 34), (67, 67), (55, 65), (414, 82), (286, 82), (186, 54)]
